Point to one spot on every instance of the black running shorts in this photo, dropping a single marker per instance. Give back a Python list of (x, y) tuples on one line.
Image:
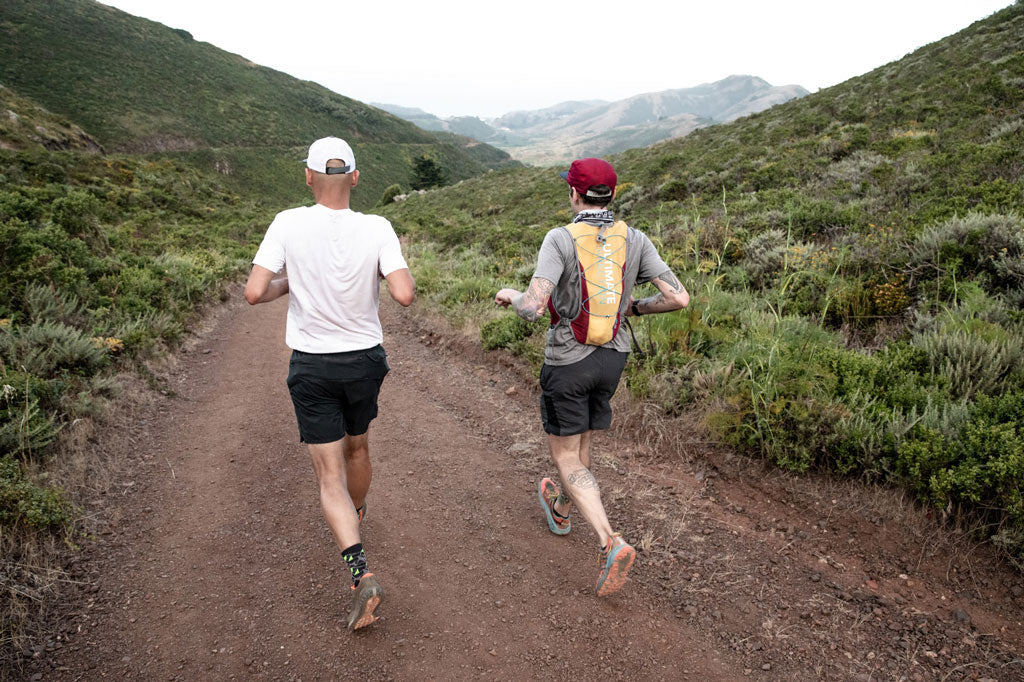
[(335, 393), (576, 398)]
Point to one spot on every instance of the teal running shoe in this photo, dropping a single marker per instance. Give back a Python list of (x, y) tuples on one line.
[(616, 560), (548, 492)]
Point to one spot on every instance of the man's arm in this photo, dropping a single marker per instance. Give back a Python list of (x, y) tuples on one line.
[(531, 304), (671, 296), (262, 287), (401, 286)]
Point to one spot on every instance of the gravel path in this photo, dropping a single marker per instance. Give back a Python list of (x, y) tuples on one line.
[(219, 566)]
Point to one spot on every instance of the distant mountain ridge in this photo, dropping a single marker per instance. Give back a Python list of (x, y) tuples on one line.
[(597, 128)]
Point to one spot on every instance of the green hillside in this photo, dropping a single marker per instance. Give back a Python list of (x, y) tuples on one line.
[(141, 87), (23, 123), (855, 261)]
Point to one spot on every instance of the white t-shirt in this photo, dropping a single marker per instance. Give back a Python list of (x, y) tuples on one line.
[(333, 257)]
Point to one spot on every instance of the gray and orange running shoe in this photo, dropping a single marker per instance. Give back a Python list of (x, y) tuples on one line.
[(616, 560), (548, 493), (366, 597)]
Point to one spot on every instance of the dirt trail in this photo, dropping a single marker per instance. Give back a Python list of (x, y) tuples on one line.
[(222, 567), (227, 568)]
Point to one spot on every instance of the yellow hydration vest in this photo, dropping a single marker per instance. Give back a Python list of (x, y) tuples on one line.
[(601, 259)]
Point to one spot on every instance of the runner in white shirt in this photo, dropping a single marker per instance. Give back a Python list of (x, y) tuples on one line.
[(335, 259)]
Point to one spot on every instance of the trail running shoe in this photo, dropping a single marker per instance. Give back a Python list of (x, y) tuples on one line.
[(616, 560), (361, 511), (548, 492), (366, 597)]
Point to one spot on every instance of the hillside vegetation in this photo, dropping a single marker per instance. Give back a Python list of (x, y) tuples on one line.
[(141, 87), (23, 123), (105, 260), (856, 264)]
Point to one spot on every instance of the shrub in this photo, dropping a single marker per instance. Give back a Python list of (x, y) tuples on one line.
[(77, 213), (971, 364), (981, 466), (764, 255), (48, 348), (19, 207), (44, 302), (990, 245), (24, 428), (389, 194), (505, 331), (23, 503)]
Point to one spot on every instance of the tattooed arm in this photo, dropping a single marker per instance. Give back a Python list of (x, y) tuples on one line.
[(671, 296), (531, 304)]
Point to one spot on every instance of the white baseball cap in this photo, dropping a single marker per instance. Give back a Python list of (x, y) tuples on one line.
[(327, 148)]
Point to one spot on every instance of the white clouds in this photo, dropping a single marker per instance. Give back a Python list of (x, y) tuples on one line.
[(453, 57)]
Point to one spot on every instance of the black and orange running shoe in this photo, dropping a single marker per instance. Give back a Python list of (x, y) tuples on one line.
[(366, 597)]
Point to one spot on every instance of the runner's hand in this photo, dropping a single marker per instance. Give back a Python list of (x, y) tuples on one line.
[(505, 296)]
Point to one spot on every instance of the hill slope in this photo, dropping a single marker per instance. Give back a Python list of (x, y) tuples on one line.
[(139, 86), (855, 263), (23, 123)]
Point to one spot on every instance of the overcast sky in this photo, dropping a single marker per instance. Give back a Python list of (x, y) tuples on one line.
[(488, 58)]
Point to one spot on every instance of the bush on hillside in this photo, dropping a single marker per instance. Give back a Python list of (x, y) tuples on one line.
[(389, 194), (980, 467), (23, 504), (505, 331), (973, 365), (106, 265), (987, 246)]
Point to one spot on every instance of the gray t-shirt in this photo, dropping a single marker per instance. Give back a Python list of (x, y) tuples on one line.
[(557, 263)]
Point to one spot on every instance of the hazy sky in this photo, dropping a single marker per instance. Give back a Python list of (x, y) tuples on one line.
[(486, 59)]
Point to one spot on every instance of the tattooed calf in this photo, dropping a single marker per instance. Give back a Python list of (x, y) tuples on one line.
[(582, 478)]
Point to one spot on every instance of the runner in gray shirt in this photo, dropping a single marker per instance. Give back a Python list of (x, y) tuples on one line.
[(578, 379)]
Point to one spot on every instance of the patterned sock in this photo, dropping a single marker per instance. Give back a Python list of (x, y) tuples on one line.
[(562, 499), (355, 557)]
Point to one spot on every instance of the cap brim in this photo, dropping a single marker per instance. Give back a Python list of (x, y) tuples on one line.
[(565, 175)]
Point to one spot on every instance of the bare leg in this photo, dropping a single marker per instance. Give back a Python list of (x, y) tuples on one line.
[(357, 467), (328, 461), (564, 503), (580, 483)]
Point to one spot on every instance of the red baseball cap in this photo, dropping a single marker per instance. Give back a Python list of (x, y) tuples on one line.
[(586, 173)]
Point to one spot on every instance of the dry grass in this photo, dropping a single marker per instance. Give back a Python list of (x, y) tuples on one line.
[(31, 578)]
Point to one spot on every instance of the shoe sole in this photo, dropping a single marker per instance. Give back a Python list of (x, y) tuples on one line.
[(615, 574), (365, 616), (552, 526)]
